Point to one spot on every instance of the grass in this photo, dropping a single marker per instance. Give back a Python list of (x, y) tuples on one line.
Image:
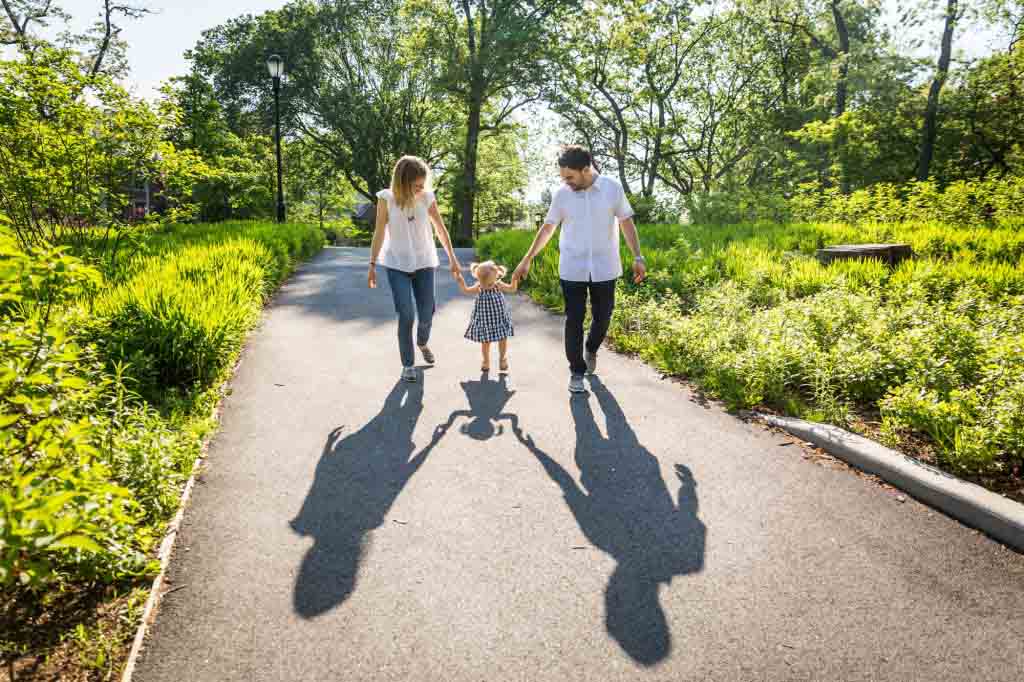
[(931, 352), (128, 369)]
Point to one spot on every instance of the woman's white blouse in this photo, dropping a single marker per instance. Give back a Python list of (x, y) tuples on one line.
[(409, 238)]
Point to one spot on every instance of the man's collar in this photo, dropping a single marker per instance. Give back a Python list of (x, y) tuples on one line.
[(592, 186)]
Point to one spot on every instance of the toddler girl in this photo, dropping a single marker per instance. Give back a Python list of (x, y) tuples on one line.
[(491, 320)]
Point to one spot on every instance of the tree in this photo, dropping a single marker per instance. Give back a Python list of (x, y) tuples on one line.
[(493, 57), (352, 87), (928, 131), (373, 101), (68, 176), (232, 58), (623, 72), (101, 48)]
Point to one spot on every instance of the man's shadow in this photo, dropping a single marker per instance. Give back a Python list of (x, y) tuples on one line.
[(357, 480), (624, 507), (487, 401)]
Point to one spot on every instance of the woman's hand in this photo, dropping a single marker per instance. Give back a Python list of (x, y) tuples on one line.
[(371, 277)]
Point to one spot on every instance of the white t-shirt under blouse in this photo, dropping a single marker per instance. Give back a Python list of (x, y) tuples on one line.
[(409, 238), (589, 242)]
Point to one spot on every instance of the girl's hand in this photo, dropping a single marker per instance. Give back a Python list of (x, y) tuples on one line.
[(371, 277)]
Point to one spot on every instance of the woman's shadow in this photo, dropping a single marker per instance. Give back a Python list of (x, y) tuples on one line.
[(357, 480), (624, 507)]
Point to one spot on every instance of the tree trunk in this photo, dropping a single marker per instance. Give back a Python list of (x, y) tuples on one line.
[(465, 231), (931, 113), (844, 58), (841, 90)]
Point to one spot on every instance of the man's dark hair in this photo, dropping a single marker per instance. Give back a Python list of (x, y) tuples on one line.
[(575, 157)]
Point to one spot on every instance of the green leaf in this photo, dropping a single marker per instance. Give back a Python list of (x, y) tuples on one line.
[(8, 419), (82, 542), (74, 383)]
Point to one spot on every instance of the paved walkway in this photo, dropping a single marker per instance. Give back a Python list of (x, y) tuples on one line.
[(349, 527)]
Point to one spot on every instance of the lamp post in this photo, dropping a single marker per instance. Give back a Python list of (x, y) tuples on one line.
[(276, 67)]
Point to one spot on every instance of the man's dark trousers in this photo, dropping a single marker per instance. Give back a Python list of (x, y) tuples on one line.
[(602, 303)]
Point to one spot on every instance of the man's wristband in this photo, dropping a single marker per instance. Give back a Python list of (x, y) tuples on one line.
[(639, 259)]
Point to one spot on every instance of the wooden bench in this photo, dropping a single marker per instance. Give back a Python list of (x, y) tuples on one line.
[(887, 253)]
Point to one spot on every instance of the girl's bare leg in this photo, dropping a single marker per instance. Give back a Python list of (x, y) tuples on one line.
[(503, 355), (485, 349)]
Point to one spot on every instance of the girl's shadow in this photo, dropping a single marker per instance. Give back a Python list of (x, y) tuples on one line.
[(624, 508), (357, 480), (487, 401)]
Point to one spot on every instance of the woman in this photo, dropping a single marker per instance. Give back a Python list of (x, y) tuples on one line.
[(403, 244)]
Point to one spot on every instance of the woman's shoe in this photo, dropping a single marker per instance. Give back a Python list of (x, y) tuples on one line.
[(428, 356)]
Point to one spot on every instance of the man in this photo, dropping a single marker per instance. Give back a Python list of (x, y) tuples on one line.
[(591, 209)]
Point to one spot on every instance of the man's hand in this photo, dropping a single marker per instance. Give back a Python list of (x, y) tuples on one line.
[(371, 277), (639, 271), (521, 271)]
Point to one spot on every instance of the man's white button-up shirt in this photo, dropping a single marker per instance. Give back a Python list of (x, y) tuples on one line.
[(589, 243)]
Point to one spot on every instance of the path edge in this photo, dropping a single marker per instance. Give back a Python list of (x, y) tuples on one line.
[(167, 545), (995, 515)]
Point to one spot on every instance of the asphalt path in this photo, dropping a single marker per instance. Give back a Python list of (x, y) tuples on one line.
[(348, 526)]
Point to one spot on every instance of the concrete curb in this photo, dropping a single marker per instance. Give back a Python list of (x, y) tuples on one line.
[(999, 517), (167, 546)]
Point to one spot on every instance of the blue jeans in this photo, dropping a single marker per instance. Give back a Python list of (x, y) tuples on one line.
[(404, 287)]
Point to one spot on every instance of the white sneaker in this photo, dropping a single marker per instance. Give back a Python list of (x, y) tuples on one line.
[(409, 374), (591, 360), (428, 356), (576, 384)]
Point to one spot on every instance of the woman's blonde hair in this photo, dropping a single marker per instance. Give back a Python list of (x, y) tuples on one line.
[(488, 271), (407, 171)]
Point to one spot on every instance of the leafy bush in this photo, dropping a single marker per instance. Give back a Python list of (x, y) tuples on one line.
[(89, 470), (181, 314), (995, 201), (62, 509), (935, 345)]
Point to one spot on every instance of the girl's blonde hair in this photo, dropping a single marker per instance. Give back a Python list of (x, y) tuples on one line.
[(488, 271), (407, 171)]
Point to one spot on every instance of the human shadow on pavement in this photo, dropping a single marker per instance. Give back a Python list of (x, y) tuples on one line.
[(358, 478), (487, 401), (624, 508)]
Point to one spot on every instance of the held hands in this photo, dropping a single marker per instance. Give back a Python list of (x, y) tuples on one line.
[(521, 271), (371, 277)]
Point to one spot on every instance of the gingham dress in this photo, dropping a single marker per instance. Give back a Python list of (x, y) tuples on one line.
[(491, 319)]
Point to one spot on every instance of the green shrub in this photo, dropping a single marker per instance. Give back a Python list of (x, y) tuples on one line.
[(994, 201), (936, 344), (62, 510), (89, 470), (180, 314)]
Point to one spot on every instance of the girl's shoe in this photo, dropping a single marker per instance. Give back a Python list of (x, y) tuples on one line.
[(409, 374), (428, 356)]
